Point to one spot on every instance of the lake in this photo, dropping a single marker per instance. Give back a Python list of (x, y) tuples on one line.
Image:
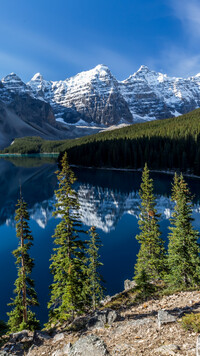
[(109, 200)]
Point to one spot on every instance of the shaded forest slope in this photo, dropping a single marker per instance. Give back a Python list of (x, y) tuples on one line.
[(163, 144)]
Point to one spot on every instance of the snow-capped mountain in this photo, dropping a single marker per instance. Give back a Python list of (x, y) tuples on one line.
[(93, 96), (152, 95), (96, 97), (14, 83), (21, 114)]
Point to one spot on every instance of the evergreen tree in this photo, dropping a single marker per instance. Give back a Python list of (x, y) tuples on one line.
[(144, 285), (151, 257), (67, 296), (94, 289), (21, 317), (183, 249)]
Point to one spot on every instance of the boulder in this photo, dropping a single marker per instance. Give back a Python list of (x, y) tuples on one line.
[(100, 318), (58, 337), (40, 337), (164, 318), (63, 351), (96, 320), (129, 284), (18, 343), (89, 346), (15, 337), (14, 348), (111, 316)]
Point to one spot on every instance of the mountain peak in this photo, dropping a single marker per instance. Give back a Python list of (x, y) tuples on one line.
[(13, 82), (100, 73), (143, 69), (99, 70), (37, 77), (100, 67), (11, 76)]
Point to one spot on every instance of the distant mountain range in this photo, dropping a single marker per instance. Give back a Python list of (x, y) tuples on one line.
[(90, 101)]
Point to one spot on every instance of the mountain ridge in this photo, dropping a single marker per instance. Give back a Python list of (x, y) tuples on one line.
[(96, 96), (91, 101)]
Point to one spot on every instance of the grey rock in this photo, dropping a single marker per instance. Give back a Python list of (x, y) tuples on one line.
[(129, 284), (63, 351), (97, 320), (15, 337), (57, 353), (164, 318), (107, 299), (16, 348), (40, 337), (89, 346), (168, 349), (111, 316), (100, 318), (66, 348), (58, 337), (198, 346)]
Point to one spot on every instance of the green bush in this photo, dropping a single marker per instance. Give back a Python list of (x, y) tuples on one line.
[(191, 322)]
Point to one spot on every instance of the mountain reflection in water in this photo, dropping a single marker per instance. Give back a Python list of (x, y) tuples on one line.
[(108, 199)]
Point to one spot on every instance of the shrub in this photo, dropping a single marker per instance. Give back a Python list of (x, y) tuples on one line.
[(191, 322)]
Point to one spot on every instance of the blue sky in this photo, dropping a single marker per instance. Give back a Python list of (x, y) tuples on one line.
[(60, 38)]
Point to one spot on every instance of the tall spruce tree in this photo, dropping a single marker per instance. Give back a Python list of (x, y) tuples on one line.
[(94, 288), (151, 259), (21, 317), (183, 248), (144, 285), (67, 267)]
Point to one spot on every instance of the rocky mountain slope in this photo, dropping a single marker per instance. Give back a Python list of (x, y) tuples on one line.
[(96, 96), (90, 101), (151, 329), (92, 96), (23, 115), (152, 95)]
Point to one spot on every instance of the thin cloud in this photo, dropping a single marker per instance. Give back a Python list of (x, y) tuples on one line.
[(188, 12), (177, 62)]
